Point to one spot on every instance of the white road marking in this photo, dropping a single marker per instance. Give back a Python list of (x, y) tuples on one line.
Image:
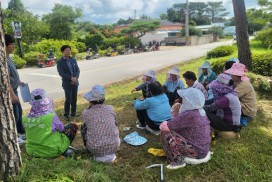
[(46, 75)]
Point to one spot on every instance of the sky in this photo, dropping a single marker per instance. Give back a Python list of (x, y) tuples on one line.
[(110, 11)]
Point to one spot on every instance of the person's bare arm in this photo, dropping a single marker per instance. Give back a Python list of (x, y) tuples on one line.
[(14, 98)]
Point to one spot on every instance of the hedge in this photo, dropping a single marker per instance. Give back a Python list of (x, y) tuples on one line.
[(31, 57), (19, 62), (220, 51)]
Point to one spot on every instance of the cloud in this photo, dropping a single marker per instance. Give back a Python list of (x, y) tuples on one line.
[(110, 11)]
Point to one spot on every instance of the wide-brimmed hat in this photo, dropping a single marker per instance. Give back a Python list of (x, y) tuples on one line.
[(151, 74), (174, 71), (135, 139), (40, 105), (97, 93), (237, 69), (192, 98)]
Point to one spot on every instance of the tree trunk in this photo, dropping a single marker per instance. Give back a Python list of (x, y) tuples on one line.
[(10, 157), (242, 38)]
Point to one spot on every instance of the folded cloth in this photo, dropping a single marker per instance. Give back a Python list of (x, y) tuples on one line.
[(156, 152), (135, 139)]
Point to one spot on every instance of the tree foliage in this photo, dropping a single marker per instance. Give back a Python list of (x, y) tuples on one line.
[(140, 28), (61, 21), (216, 11), (16, 6)]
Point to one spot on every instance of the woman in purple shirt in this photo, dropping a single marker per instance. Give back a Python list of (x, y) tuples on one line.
[(186, 137), (224, 113)]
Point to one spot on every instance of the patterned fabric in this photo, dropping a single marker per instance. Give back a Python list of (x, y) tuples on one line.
[(42, 106), (13, 74), (176, 148), (220, 86), (70, 131), (96, 94), (195, 128), (192, 99), (102, 136)]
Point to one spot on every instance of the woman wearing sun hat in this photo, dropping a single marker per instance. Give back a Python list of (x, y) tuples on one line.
[(205, 74), (245, 91), (46, 135), (172, 84), (226, 104), (186, 137), (99, 131), (148, 78)]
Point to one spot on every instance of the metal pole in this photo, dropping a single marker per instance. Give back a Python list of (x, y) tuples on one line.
[(187, 24), (20, 47)]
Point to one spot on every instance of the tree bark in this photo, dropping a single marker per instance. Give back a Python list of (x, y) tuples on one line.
[(244, 53), (10, 157)]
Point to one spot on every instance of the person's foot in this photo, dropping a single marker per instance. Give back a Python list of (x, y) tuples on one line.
[(66, 117), (21, 141), (68, 153), (74, 115), (140, 126), (175, 166), (198, 161), (22, 136), (155, 132)]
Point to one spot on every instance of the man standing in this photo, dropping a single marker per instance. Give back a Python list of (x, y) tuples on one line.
[(69, 72), (13, 86)]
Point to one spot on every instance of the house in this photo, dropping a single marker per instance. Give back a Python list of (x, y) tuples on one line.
[(205, 28), (166, 29)]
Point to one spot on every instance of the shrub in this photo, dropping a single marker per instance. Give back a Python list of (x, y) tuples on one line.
[(218, 64), (220, 51), (31, 57), (81, 47), (19, 62), (262, 64), (260, 83), (102, 52), (45, 45), (265, 36)]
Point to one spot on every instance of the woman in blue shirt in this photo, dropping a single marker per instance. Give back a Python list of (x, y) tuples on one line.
[(172, 84), (155, 109)]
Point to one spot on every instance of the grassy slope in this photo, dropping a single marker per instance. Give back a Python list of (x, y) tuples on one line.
[(245, 159)]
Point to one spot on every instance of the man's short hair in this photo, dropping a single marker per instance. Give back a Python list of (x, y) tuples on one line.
[(155, 88), (189, 75), (9, 39), (228, 64), (65, 47)]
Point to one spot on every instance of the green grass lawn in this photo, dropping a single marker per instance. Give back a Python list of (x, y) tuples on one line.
[(248, 158)]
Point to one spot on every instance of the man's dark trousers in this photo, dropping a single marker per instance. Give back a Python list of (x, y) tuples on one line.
[(70, 100)]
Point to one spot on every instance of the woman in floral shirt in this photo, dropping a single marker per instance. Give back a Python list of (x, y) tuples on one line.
[(99, 131)]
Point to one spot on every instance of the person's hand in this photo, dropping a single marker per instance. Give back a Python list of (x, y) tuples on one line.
[(164, 127), (141, 99), (177, 101), (73, 80), (134, 90), (14, 99)]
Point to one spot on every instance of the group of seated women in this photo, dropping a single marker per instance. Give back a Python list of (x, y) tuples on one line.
[(184, 117)]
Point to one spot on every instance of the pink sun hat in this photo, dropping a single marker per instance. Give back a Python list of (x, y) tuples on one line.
[(238, 69)]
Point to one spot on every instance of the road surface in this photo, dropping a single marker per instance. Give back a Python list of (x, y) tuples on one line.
[(106, 70)]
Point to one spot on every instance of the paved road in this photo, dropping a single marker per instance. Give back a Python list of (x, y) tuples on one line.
[(111, 69)]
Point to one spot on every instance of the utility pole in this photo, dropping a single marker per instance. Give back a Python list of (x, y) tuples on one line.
[(135, 14), (188, 42)]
